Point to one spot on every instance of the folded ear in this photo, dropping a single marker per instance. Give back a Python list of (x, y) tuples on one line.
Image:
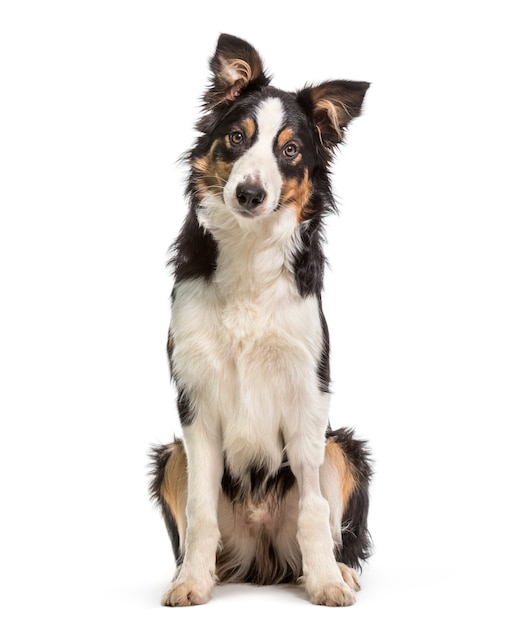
[(333, 105), (235, 66)]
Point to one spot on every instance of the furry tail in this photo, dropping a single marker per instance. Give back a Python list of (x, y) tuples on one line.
[(168, 463), (356, 545)]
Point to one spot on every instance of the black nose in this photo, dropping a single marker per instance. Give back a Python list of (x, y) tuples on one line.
[(250, 195)]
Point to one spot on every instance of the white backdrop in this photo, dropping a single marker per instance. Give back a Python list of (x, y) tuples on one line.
[(98, 102)]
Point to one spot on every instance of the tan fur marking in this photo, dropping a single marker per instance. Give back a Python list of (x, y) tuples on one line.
[(337, 458), (222, 172), (214, 172), (175, 486), (296, 194), (227, 142), (249, 127), (200, 164), (285, 136)]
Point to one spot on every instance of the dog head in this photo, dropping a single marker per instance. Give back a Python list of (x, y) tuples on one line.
[(263, 150)]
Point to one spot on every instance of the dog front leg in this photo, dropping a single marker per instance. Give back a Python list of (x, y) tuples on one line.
[(322, 576), (196, 576)]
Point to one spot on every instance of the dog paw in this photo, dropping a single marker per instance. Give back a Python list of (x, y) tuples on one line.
[(349, 576), (186, 593), (333, 594)]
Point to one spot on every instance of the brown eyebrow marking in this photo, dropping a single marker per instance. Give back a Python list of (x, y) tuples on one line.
[(249, 127), (285, 135)]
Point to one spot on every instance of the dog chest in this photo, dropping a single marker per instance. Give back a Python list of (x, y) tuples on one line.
[(272, 331), (244, 362)]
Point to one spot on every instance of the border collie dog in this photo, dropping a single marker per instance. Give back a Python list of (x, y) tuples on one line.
[(260, 490)]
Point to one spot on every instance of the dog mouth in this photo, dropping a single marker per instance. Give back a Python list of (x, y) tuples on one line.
[(249, 213)]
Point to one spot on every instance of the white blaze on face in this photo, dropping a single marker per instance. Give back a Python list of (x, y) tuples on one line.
[(257, 168)]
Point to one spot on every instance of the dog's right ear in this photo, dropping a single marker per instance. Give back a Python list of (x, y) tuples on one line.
[(235, 66)]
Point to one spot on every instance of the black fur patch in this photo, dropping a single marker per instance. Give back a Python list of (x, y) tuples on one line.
[(324, 364), (184, 407), (194, 253), (256, 484)]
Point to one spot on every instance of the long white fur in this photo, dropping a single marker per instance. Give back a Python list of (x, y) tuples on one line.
[(246, 350)]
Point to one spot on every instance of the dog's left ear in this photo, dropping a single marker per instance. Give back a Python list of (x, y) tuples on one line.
[(333, 105), (235, 66)]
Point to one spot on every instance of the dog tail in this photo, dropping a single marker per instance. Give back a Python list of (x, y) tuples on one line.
[(356, 545), (168, 469)]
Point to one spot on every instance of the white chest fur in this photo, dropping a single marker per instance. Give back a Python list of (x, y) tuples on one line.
[(246, 351)]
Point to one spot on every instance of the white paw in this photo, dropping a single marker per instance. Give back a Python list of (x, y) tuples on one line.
[(332, 594), (349, 576), (187, 593), (335, 591)]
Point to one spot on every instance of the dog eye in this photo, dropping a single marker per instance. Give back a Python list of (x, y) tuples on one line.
[(291, 150), (236, 137)]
